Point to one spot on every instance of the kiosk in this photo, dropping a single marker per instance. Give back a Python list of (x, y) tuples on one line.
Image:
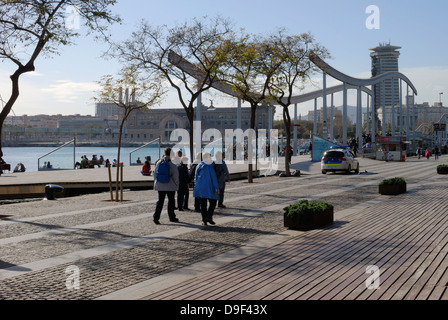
[(391, 148)]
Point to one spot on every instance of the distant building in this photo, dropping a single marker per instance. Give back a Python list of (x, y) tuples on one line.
[(385, 59), (143, 125), (423, 113), (149, 124), (106, 110)]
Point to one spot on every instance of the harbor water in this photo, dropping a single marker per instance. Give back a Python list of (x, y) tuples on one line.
[(66, 158)]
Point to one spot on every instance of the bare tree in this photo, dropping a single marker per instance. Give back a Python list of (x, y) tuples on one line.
[(249, 76), (162, 50), (31, 28), (129, 92), (289, 57)]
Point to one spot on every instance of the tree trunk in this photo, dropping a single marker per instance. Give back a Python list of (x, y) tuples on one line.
[(29, 67), (191, 132), (287, 122), (253, 109), (127, 112), (8, 106)]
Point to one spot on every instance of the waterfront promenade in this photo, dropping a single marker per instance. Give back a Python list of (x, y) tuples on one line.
[(87, 181), (121, 254)]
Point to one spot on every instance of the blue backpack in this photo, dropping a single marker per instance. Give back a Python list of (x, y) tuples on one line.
[(163, 172)]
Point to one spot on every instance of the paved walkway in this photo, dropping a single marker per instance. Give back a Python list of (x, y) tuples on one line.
[(120, 254)]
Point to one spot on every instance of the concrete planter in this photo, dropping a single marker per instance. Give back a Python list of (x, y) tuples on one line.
[(442, 170), (309, 221), (392, 189)]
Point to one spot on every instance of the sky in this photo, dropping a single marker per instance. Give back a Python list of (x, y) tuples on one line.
[(66, 83)]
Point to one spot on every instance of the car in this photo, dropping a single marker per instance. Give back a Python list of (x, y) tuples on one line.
[(339, 159)]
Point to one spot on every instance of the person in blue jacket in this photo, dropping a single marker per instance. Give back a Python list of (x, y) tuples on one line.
[(206, 188)]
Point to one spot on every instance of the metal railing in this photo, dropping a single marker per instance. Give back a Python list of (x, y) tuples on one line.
[(58, 162), (150, 149)]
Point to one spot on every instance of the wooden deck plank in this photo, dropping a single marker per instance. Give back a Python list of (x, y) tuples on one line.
[(407, 240), (445, 295), (288, 263), (432, 282), (332, 283), (331, 259), (422, 275), (426, 235), (353, 293), (224, 277), (275, 272), (417, 269), (341, 263), (338, 289), (348, 242), (436, 293), (327, 289)]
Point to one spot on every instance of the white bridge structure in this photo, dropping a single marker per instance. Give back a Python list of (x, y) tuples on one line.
[(406, 123)]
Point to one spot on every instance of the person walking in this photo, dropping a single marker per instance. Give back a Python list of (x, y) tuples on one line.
[(223, 176), (197, 160), (427, 154), (206, 188), (184, 180), (436, 153), (166, 176)]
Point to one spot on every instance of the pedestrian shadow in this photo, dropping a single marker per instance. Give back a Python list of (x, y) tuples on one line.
[(237, 230), (335, 225), (302, 166), (365, 172), (12, 267), (30, 223), (242, 214), (66, 234)]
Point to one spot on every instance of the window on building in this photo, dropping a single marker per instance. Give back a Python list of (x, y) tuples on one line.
[(169, 128)]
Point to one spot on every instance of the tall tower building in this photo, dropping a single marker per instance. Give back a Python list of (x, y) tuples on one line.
[(385, 59)]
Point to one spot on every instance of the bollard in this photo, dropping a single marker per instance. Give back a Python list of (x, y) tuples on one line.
[(50, 190)]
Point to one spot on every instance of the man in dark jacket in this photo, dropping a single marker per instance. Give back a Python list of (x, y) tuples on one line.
[(184, 180), (223, 176), (166, 189), (197, 160)]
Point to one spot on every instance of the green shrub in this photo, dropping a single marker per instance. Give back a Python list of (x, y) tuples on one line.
[(396, 180), (304, 209), (442, 169)]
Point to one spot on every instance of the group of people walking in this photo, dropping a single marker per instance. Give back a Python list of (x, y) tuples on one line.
[(427, 154), (207, 177)]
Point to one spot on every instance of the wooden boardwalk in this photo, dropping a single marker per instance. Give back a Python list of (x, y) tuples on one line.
[(405, 237)]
